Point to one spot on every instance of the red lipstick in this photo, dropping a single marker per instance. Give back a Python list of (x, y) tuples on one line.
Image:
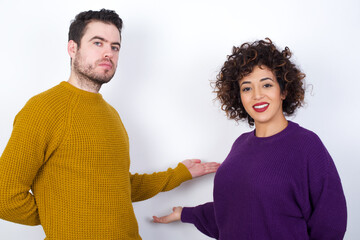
[(261, 107)]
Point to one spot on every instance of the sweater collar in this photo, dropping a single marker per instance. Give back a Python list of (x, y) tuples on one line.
[(80, 92), (258, 140)]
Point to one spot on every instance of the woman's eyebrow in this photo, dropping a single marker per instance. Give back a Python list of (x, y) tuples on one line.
[(266, 78), (245, 82)]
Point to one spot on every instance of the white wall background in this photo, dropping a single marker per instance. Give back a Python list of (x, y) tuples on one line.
[(170, 52)]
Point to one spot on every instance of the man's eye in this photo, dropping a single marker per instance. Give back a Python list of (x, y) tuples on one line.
[(97, 44), (115, 49)]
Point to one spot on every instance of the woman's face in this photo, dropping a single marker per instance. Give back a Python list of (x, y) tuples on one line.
[(261, 96)]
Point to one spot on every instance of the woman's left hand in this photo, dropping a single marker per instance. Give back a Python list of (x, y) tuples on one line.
[(172, 217)]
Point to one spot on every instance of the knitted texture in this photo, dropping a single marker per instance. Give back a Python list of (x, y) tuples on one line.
[(283, 187), (71, 149)]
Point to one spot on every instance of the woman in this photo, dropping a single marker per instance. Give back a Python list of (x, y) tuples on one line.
[(278, 181)]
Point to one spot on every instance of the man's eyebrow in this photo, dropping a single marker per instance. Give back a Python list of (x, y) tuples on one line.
[(104, 40), (99, 38)]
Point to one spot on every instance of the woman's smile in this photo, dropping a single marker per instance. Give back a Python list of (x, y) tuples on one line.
[(261, 107)]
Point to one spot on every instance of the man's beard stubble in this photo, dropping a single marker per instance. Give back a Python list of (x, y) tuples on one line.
[(87, 75)]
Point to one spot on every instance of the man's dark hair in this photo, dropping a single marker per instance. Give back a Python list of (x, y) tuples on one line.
[(78, 25)]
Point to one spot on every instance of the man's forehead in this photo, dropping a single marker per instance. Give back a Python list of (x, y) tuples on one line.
[(108, 31)]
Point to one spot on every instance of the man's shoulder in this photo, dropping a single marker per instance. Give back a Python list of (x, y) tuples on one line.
[(53, 100), (57, 92)]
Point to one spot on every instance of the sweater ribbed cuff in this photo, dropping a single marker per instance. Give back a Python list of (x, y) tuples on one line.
[(186, 215), (182, 173)]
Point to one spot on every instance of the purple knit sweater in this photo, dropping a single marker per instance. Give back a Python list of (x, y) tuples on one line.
[(281, 187)]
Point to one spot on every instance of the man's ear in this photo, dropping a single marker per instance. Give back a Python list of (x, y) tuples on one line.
[(72, 48)]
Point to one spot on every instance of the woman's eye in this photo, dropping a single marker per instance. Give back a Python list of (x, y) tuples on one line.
[(267, 85), (245, 89)]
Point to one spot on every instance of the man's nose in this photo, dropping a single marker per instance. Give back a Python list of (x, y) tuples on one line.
[(108, 53)]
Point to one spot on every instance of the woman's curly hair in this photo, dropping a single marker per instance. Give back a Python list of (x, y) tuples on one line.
[(242, 62)]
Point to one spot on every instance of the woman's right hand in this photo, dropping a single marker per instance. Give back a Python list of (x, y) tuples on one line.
[(172, 217)]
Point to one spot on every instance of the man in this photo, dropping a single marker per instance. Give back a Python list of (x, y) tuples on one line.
[(71, 149)]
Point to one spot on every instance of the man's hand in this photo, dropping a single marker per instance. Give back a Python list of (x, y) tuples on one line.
[(197, 168), (172, 217)]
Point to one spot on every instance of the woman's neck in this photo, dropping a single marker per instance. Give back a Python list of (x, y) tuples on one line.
[(271, 128)]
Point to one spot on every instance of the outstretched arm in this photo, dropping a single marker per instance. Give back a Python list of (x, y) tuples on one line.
[(144, 186), (198, 168), (202, 216), (172, 217)]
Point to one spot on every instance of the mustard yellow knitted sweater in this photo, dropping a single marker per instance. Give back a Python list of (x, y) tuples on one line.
[(71, 149)]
